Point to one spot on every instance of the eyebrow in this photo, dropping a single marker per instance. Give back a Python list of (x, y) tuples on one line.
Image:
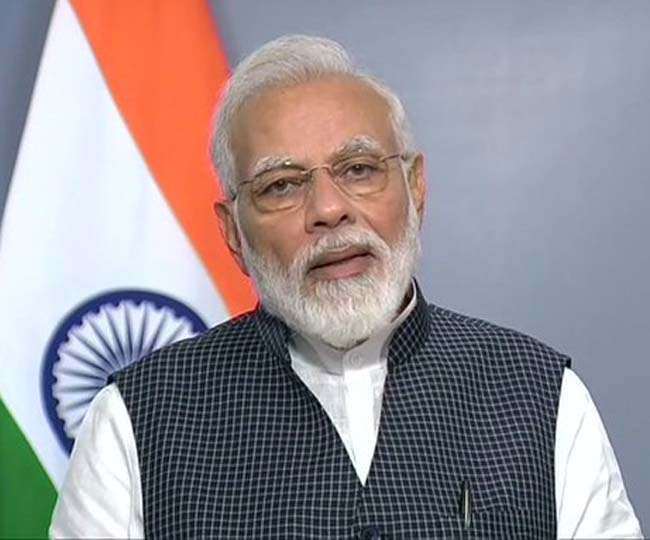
[(359, 143), (269, 163)]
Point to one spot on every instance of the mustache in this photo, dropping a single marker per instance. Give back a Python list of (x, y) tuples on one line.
[(349, 238)]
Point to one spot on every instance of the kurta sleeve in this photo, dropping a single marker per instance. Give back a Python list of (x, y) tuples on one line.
[(590, 495), (101, 494)]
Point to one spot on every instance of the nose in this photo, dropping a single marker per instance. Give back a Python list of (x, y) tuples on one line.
[(326, 207)]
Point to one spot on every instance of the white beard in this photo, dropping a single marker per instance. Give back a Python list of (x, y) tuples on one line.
[(340, 312)]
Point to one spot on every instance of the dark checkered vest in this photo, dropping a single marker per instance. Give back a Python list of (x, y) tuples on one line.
[(231, 444)]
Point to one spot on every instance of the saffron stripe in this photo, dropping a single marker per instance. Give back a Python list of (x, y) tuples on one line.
[(164, 65)]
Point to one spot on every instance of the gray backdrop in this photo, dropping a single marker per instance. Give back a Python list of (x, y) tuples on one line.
[(535, 121)]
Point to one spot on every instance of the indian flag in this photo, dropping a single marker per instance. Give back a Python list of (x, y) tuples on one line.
[(108, 247)]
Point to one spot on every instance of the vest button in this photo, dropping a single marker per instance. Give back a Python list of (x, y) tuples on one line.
[(370, 533)]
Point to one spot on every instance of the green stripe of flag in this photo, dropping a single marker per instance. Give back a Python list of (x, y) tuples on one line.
[(27, 495)]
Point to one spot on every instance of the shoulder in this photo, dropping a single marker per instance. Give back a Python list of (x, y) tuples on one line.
[(473, 334), (216, 346), (106, 413), (574, 407)]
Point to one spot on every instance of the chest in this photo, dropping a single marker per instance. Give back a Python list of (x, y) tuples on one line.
[(263, 458)]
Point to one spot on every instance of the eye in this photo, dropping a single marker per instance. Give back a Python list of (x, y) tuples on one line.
[(359, 170), (281, 187)]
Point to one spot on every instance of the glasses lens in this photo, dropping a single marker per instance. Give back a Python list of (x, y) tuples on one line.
[(279, 190), (286, 188), (361, 175)]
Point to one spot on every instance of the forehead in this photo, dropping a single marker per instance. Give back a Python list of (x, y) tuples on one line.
[(310, 121)]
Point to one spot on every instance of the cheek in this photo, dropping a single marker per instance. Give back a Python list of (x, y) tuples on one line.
[(280, 239), (388, 218), (392, 226)]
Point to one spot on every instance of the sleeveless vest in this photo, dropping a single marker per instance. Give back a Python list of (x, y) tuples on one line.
[(231, 444)]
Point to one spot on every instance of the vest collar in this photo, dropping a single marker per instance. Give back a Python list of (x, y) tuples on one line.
[(412, 333)]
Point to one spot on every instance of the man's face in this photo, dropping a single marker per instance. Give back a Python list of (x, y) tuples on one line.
[(311, 123), (333, 248)]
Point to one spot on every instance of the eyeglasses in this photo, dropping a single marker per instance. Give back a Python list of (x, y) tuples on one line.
[(286, 187)]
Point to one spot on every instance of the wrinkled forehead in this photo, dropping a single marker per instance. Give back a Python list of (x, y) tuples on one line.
[(311, 123)]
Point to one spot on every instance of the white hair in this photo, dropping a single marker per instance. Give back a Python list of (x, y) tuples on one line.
[(287, 61)]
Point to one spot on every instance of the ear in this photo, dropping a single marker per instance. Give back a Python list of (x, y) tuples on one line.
[(417, 184), (230, 231)]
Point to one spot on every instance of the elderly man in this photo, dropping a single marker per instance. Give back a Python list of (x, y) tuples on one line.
[(346, 405)]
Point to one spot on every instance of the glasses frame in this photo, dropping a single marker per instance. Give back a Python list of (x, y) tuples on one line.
[(309, 177)]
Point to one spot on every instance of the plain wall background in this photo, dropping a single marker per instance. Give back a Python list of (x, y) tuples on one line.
[(535, 121)]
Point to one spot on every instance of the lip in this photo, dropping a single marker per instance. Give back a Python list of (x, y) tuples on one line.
[(343, 263), (332, 257)]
